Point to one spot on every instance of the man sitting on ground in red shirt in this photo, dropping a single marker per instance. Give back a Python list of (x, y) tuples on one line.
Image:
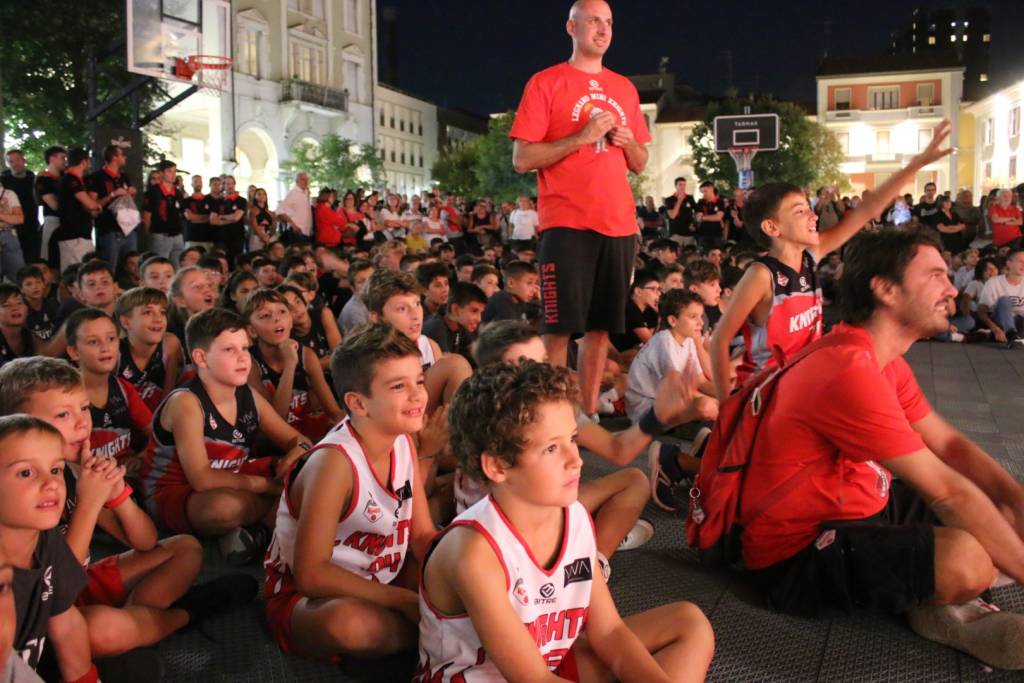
[(854, 416)]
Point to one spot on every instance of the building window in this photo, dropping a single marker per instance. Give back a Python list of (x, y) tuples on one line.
[(952, 38), (392, 156), (985, 37), (307, 62), (392, 122), (988, 170), (990, 131), (249, 51), (382, 116), (965, 38), (421, 129), (882, 140), (401, 125), (314, 8), (421, 161), (983, 78), (354, 80), (1012, 170), (884, 97), (925, 94), (844, 142), (924, 136), (351, 10), (1015, 122), (931, 40), (843, 96)]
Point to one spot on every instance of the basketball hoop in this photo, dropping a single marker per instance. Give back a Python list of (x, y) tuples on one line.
[(209, 72), (743, 156)]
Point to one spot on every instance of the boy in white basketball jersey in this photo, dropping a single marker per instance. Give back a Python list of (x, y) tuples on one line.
[(515, 574), (339, 579)]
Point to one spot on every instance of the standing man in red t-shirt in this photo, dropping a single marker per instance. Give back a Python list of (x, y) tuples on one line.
[(1006, 219), (579, 126), (843, 424)]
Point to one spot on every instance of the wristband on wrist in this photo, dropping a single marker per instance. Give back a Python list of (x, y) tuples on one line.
[(121, 498), (90, 676), (650, 425)]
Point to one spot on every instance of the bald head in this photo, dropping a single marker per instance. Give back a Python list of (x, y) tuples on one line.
[(580, 7), (590, 26)]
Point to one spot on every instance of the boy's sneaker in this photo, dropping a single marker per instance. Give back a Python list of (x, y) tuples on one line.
[(665, 475), (605, 567), (245, 545), (216, 596), (978, 628), (641, 532)]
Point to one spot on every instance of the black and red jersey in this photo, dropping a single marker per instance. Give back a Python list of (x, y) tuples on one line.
[(316, 338), (197, 232), (301, 414), (148, 381), (164, 204), (228, 446), (7, 352), (794, 320), (113, 424)]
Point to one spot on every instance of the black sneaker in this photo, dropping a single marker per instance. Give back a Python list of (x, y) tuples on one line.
[(219, 595), (245, 545), (667, 480)]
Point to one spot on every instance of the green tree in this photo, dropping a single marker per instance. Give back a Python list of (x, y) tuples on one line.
[(337, 162), (42, 84), (455, 169), (493, 169), (809, 154)]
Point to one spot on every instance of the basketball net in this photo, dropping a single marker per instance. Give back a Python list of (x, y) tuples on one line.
[(743, 156), (208, 72)]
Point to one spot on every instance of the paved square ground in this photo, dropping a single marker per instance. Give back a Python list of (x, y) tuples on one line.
[(978, 388)]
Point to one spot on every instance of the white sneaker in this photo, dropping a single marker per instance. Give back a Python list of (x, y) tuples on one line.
[(978, 628), (641, 532), (956, 337)]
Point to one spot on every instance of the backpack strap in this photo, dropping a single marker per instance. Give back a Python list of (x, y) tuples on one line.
[(783, 489)]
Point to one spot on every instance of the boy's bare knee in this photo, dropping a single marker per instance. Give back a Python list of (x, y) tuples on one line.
[(693, 625), (963, 568)]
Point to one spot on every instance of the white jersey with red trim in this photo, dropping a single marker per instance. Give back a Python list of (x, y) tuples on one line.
[(553, 604), (373, 533)]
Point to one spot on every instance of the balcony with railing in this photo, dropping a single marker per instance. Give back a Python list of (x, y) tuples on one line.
[(318, 96)]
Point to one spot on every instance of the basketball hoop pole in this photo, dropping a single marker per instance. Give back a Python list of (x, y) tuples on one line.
[(743, 156)]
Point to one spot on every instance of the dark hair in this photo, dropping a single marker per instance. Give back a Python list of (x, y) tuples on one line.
[(76, 155), (287, 287), (53, 151), (513, 270), (93, 266), (481, 271), (701, 271), (19, 423), (69, 276), (492, 410), (764, 203), (357, 266), (427, 272), (304, 280), (257, 300), (707, 183), (139, 296), (676, 181), (671, 245), (1013, 252), (262, 262), (670, 268), (209, 262), (353, 363), (496, 338), (236, 279), (289, 262), (674, 301), (883, 254), (384, 284), (81, 317), (197, 249), (464, 293), (26, 272), (464, 260), (109, 152), (203, 328), (154, 261), (979, 270), (9, 290), (641, 279), (22, 377), (244, 259)]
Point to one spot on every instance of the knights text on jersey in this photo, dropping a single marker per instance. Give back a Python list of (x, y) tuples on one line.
[(794, 320), (372, 535), (112, 425), (552, 603), (227, 445)]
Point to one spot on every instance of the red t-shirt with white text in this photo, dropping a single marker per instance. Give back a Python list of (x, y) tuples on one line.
[(1001, 232), (836, 405), (588, 189)]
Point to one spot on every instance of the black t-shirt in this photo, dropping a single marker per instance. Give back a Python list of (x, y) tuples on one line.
[(224, 205), (42, 323), (65, 309), (682, 224), (451, 341), (104, 184), (24, 187), (164, 209), (334, 294), (198, 232), (47, 184), (927, 212), (504, 306), (75, 219), (711, 228), (635, 318), (46, 590)]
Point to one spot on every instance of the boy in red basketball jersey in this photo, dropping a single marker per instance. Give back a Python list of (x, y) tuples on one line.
[(508, 590), (150, 355), (778, 300), (340, 580)]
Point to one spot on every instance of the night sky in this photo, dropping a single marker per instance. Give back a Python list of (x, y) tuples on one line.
[(478, 54)]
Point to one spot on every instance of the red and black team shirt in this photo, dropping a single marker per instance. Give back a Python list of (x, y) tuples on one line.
[(113, 425), (164, 205), (7, 354), (103, 182), (198, 232), (148, 381), (228, 204), (300, 413), (228, 445), (75, 219), (47, 184)]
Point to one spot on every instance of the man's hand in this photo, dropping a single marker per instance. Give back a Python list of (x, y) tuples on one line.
[(621, 136), (596, 128), (933, 152)]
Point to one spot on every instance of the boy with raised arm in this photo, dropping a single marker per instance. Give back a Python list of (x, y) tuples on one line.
[(508, 590), (339, 577)]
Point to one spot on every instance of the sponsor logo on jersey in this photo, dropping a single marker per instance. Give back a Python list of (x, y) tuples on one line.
[(237, 435), (803, 283), (106, 420), (127, 374), (578, 570), (781, 279), (594, 85), (826, 539), (372, 511), (547, 595), (47, 584), (213, 423), (520, 592)]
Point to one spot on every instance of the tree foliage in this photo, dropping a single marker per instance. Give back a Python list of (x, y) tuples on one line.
[(337, 162), (45, 96), (809, 154), (454, 169)]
